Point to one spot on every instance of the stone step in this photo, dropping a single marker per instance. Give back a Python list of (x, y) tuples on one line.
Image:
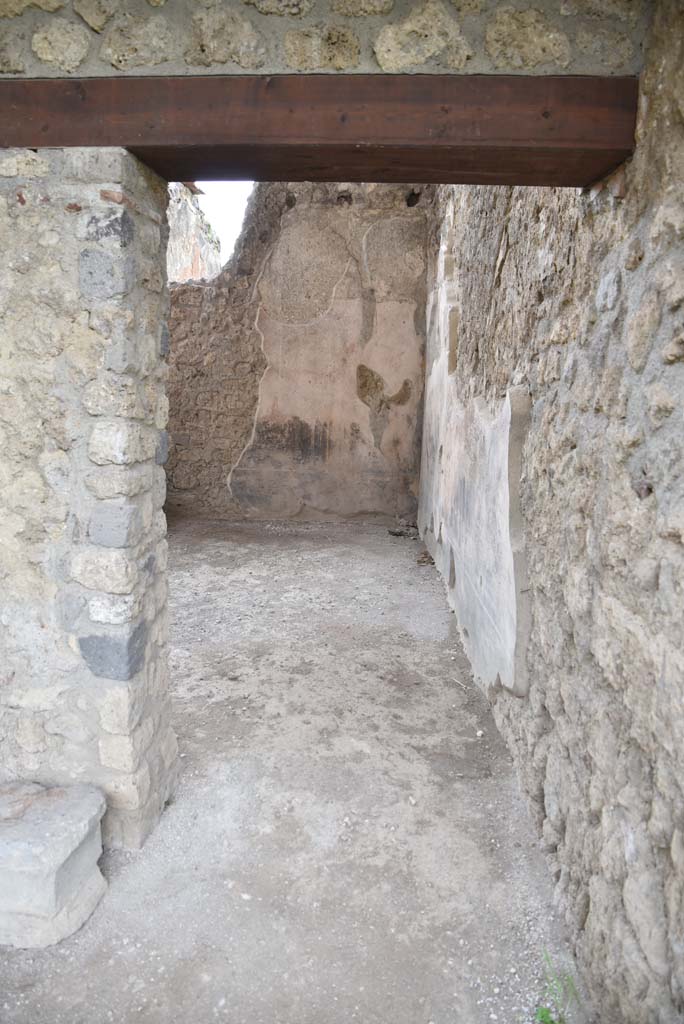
[(50, 844)]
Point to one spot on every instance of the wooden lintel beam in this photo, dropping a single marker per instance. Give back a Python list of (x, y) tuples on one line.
[(472, 129)]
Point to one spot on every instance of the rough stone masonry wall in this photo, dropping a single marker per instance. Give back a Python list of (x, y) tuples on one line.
[(296, 376), (82, 531), (193, 252), (580, 299), (94, 38)]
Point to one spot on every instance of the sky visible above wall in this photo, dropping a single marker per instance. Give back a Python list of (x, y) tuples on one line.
[(224, 204)]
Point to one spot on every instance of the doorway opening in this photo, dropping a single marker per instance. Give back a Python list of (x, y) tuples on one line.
[(97, 592), (348, 808)]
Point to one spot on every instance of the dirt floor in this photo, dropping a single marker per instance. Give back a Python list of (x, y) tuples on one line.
[(347, 842)]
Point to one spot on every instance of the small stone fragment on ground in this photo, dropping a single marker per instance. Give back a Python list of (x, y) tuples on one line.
[(425, 558), (403, 531)]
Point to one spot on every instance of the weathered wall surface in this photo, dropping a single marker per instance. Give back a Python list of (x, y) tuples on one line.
[(82, 531), (580, 300), (42, 38), (469, 495), (296, 377), (193, 252)]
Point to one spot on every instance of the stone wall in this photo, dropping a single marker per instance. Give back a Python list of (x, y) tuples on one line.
[(296, 377), (194, 250), (94, 38), (579, 300), (82, 531)]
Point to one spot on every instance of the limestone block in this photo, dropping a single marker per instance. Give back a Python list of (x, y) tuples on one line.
[(115, 481), (104, 569), (221, 35), (524, 39), (128, 829), (113, 395), (96, 13), (49, 847), (312, 49), (121, 707), (61, 43), (96, 164), (163, 761), (130, 792), (124, 752), (135, 42), (24, 163), (122, 443), (115, 524), (116, 656), (114, 610), (428, 34)]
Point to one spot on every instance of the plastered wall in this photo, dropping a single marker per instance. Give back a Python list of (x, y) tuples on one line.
[(296, 376), (578, 301), (83, 628), (42, 38)]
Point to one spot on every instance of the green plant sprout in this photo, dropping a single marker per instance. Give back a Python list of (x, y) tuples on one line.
[(561, 995)]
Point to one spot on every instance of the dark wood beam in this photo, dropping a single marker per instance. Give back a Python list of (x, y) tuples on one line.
[(460, 129)]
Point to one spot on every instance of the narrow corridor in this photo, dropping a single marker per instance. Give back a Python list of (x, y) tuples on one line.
[(347, 842)]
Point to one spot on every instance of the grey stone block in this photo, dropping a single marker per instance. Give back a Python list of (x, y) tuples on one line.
[(122, 356), (162, 452), (70, 607), (90, 164), (132, 355), (49, 847), (115, 524), (115, 657), (102, 275), (164, 342), (116, 224)]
